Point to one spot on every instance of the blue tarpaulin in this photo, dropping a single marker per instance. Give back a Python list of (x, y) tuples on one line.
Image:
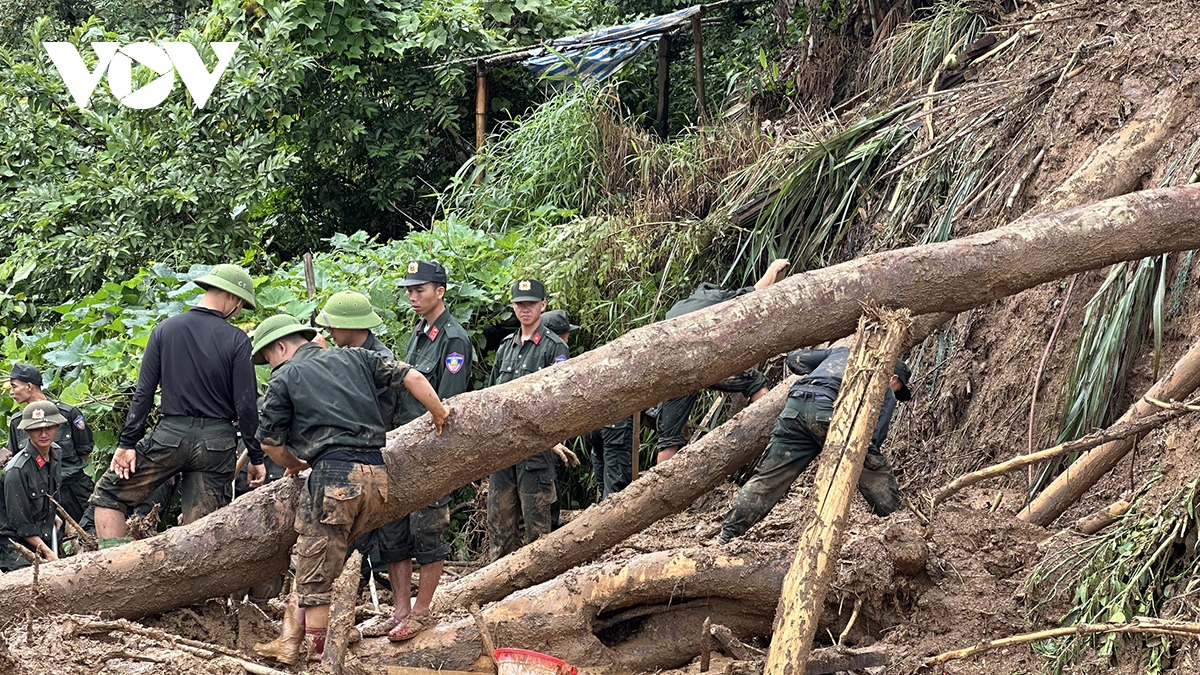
[(600, 53)]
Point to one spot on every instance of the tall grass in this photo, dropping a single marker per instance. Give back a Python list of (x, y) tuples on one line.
[(914, 52)]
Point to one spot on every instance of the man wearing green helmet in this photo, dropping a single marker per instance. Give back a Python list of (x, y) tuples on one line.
[(321, 410), (29, 486), (202, 364)]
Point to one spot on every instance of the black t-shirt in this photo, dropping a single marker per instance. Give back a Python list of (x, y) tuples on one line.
[(202, 364)]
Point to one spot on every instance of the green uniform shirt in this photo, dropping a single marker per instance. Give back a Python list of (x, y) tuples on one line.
[(325, 399), (28, 484), (442, 353), (74, 439), (389, 399), (516, 359)]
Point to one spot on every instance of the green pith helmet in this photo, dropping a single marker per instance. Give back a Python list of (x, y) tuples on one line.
[(231, 279), (40, 414), (348, 310), (271, 330)]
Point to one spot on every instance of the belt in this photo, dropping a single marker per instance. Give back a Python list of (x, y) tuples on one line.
[(197, 421), (352, 456), (810, 393)]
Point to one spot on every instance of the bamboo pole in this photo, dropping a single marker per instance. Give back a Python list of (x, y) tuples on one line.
[(1104, 517), (481, 101), (856, 412), (698, 60), (664, 84), (637, 446), (1078, 478), (1120, 431), (1141, 624)]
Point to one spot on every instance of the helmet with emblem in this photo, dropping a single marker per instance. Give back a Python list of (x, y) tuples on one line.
[(231, 279), (40, 414), (348, 310)]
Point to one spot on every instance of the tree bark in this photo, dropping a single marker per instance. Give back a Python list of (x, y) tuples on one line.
[(1083, 473), (341, 614), (838, 468), (639, 615), (1117, 166), (249, 542), (1101, 519), (664, 490)]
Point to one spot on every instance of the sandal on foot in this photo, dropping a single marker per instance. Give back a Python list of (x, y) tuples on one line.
[(407, 629), (379, 626)]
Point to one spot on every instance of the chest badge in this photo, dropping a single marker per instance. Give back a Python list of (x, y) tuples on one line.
[(454, 362)]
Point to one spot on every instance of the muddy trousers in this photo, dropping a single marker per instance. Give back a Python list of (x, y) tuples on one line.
[(796, 440), (524, 490)]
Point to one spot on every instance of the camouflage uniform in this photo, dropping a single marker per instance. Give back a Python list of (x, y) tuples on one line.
[(799, 434), (525, 489), (673, 414), (322, 405)]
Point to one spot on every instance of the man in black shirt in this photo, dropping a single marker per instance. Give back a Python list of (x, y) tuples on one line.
[(202, 364)]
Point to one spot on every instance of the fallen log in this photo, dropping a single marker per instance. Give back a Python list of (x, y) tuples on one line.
[(1119, 431), (839, 466), (733, 646), (640, 615), (249, 541), (838, 659), (1083, 473), (665, 489)]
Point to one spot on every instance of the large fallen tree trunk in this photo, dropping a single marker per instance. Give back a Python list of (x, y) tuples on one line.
[(667, 489), (640, 615), (664, 490), (1082, 474), (488, 430)]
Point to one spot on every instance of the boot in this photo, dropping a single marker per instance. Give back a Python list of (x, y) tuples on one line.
[(286, 647), (315, 641)]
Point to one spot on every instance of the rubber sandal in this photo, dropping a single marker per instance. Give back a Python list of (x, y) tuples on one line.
[(407, 630), (379, 626)]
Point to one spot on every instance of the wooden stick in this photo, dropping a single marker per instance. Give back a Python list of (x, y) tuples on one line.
[(698, 57), (310, 277), (706, 644), (1139, 624), (637, 446), (856, 412), (341, 614), (1104, 517), (733, 646), (87, 541), (708, 418), (1125, 429), (489, 646)]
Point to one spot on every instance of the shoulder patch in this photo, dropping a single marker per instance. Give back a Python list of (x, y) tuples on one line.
[(560, 358), (79, 423), (454, 362)]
